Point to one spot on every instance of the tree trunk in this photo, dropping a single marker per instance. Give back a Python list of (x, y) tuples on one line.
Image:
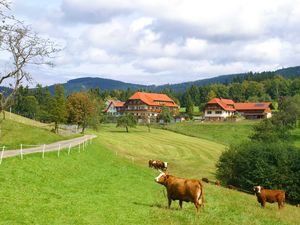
[(56, 127), (127, 129), (83, 129)]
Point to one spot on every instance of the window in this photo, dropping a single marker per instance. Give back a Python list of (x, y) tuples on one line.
[(218, 112), (208, 112)]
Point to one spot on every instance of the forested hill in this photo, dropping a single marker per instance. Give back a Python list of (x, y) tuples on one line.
[(108, 84), (87, 83), (289, 72)]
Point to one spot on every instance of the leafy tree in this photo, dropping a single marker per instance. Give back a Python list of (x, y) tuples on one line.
[(126, 121), (58, 111), (80, 109), (29, 106), (165, 115), (24, 47)]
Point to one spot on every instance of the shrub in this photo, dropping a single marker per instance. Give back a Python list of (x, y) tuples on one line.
[(274, 165)]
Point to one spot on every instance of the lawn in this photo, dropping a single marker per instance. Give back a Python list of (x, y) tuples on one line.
[(220, 132), (99, 187), (14, 133)]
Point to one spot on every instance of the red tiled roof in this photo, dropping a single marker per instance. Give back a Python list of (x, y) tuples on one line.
[(154, 99), (117, 104), (252, 106), (223, 102)]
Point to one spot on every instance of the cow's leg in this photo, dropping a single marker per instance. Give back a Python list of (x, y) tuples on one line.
[(169, 202), (196, 205), (180, 204), (280, 204), (263, 204)]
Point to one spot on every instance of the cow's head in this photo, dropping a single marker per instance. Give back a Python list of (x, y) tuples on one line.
[(161, 178), (257, 189)]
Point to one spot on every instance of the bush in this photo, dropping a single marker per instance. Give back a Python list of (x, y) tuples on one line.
[(274, 165)]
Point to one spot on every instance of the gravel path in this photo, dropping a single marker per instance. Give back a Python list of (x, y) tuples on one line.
[(49, 147)]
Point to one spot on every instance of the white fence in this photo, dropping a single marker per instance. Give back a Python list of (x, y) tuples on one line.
[(80, 145)]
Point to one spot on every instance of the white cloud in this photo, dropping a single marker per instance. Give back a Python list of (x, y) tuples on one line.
[(166, 41)]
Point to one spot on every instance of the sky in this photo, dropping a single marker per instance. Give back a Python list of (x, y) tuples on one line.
[(163, 41)]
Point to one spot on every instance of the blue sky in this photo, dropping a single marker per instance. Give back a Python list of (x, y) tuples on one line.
[(163, 41)]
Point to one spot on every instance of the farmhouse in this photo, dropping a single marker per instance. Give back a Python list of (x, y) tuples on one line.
[(149, 105), (219, 109), (114, 108)]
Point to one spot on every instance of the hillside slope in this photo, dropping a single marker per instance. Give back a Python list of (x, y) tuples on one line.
[(98, 187), (16, 130)]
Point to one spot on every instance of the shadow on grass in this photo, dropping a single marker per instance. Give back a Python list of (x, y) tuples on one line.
[(156, 205)]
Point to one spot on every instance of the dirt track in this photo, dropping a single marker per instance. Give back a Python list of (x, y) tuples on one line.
[(49, 147)]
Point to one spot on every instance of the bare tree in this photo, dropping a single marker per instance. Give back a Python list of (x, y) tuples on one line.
[(23, 47)]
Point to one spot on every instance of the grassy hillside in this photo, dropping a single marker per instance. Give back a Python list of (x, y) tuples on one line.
[(27, 121), (186, 155), (224, 133), (16, 130), (98, 187)]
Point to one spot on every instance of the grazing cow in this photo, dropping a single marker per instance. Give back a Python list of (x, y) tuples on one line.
[(271, 196), (298, 205), (187, 190), (231, 187), (218, 183), (204, 179), (157, 164)]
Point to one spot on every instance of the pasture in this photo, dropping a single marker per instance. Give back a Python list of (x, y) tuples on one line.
[(193, 156), (225, 132), (99, 187)]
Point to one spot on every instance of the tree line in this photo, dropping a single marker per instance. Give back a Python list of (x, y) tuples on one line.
[(80, 108)]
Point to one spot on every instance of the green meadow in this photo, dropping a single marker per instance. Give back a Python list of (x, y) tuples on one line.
[(225, 133), (110, 183)]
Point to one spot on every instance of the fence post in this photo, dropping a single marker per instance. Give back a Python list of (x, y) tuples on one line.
[(79, 147), (2, 154), (58, 150), (83, 145), (69, 150), (21, 151), (44, 146)]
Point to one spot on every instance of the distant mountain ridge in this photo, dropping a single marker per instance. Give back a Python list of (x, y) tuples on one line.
[(86, 83), (109, 84)]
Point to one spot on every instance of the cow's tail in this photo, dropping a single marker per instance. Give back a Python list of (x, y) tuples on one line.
[(201, 196)]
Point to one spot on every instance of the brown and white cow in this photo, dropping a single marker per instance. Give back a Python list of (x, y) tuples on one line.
[(206, 180), (158, 164), (187, 190), (231, 187), (271, 196)]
